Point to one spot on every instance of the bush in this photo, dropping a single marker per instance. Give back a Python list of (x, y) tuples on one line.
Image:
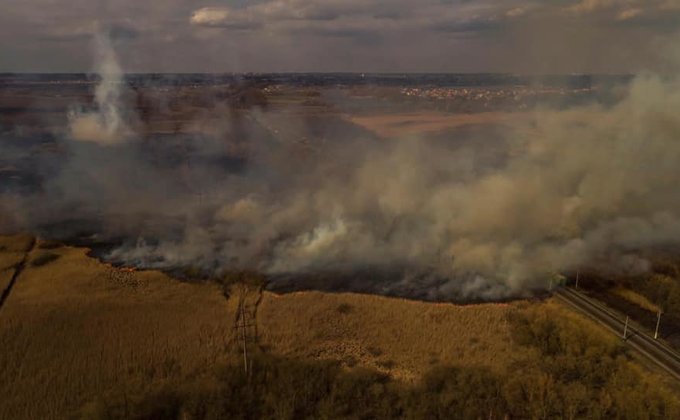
[(44, 258), (49, 244), (344, 308)]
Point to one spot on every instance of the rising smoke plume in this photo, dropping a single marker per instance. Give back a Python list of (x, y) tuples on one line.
[(592, 184), (106, 123)]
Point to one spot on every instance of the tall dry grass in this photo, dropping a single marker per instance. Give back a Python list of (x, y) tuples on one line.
[(74, 329), (400, 337), (12, 250), (636, 298)]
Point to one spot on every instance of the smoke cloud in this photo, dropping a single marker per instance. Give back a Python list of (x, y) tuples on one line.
[(105, 124), (592, 184)]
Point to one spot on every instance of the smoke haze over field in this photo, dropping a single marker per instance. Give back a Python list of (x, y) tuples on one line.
[(105, 125), (586, 185)]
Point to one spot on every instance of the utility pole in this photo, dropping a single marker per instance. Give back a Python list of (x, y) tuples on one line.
[(245, 324), (576, 280), (244, 336), (658, 321), (625, 328)]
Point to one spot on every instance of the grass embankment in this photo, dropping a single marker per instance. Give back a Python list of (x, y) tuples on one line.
[(636, 299)]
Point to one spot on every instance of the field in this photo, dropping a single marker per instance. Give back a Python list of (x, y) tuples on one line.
[(399, 337), (73, 329), (78, 336), (422, 123)]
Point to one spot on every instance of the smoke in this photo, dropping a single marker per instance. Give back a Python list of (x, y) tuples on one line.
[(474, 216), (105, 124)]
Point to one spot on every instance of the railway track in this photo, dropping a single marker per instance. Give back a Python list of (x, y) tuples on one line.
[(641, 342)]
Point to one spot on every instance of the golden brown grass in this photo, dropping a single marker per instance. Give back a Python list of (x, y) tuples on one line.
[(403, 338), (12, 251), (636, 299), (74, 328)]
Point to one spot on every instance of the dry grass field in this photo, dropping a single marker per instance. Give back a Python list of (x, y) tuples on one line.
[(75, 331), (400, 337), (12, 250), (636, 298)]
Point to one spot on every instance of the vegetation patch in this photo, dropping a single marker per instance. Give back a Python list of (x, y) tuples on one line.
[(571, 370), (579, 372), (374, 351), (16, 243), (295, 389), (344, 308), (49, 244), (636, 299), (44, 258)]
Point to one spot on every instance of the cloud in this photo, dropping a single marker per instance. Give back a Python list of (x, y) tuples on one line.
[(286, 35), (590, 6), (470, 25), (271, 12), (360, 16), (650, 12), (223, 17)]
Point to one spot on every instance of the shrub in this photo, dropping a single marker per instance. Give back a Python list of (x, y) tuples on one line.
[(49, 244), (344, 308), (374, 351), (44, 258)]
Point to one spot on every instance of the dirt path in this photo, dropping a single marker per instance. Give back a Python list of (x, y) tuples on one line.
[(17, 272)]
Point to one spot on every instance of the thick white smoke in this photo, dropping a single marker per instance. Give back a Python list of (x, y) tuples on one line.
[(583, 186)]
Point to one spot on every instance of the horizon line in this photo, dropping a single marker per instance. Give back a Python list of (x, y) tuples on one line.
[(5, 73)]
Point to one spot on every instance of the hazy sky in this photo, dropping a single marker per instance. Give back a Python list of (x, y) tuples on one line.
[(524, 36)]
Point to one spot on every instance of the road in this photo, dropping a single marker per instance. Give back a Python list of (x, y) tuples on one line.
[(656, 351)]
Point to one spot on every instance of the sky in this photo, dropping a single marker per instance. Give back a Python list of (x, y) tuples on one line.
[(510, 36)]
